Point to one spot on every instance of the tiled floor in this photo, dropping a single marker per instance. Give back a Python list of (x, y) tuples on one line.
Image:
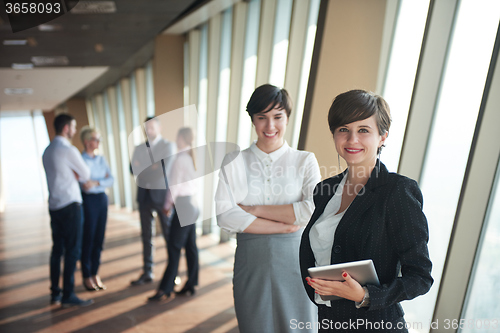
[(25, 243)]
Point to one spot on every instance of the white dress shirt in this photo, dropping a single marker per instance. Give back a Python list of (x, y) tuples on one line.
[(61, 161), (182, 180), (253, 177), (323, 231)]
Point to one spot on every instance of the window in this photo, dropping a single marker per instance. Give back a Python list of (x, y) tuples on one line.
[(453, 127), (482, 306), (23, 140), (402, 68)]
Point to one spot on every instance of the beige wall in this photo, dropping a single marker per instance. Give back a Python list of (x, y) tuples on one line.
[(348, 59), (168, 76), (75, 107), (78, 109), (49, 121)]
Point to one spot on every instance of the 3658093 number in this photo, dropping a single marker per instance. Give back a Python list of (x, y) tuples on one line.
[(33, 8)]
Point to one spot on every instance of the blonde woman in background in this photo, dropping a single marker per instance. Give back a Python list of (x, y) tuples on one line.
[(95, 208)]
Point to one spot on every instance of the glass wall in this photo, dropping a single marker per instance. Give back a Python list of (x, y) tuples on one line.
[(403, 61), (23, 139), (481, 312), (453, 127)]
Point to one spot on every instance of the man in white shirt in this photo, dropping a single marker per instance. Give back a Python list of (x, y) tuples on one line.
[(152, 190), (64, 166)]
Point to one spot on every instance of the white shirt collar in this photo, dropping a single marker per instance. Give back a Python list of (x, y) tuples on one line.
[(156, 140), (275, 155), (185, 149), (62, 139)]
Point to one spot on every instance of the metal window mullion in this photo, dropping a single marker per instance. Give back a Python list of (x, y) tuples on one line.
[(100, 109), (90, 112), (140, 87), (194, 65), (249, 71), (129, 126), (113, 144), (265, 47), (214, 45), (239, 14), (296, 52), (390, 24), (123, 143), (201, 120), (266, 29), (430, 72), (150, 91), (223, 91), (237, 51), (306, 68)]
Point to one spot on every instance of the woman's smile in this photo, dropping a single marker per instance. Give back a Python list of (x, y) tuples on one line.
[(359, 141)]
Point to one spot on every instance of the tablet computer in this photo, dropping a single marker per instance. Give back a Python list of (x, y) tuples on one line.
[(362, 271)]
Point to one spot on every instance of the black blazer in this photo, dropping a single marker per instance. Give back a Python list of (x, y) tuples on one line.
[(384, 223), (150, 176)]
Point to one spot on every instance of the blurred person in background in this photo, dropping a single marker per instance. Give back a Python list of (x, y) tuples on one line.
[(183, 188), (64, 167), (151, 191), (95, 208)]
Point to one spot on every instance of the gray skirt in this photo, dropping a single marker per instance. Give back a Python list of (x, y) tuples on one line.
[(268, 291)]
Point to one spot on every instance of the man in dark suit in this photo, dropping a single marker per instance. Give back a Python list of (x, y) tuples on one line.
[(150, 166)]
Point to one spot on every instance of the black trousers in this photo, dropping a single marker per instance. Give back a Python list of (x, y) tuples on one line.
[(148, 230), (95, 212), (67, 228), (181, 237)]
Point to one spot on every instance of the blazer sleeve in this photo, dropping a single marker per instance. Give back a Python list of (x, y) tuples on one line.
[(409, 234)]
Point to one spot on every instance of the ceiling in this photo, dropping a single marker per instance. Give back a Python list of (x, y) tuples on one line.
[(100, 48)]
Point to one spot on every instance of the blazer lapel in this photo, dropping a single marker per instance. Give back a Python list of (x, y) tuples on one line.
[(365, 198), (328, 188)]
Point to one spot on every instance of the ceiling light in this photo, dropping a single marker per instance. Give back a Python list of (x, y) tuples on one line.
[(50, 61), (18, 91), (93, 7), (22, 66), (15, 42)]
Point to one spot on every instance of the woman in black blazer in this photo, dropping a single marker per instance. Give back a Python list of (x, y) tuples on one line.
[(365, 212)]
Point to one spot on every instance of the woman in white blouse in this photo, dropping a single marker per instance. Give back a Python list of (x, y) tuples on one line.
[(264, 196), (182, 188)]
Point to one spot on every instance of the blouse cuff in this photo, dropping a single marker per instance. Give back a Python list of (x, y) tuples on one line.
[(296, 211)]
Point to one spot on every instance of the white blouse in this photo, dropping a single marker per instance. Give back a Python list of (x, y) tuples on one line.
[(182, 179), (253, 177), (323, 232)]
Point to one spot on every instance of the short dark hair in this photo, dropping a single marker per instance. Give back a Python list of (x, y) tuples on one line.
[(355, 105), (62, 120), (267, 97)]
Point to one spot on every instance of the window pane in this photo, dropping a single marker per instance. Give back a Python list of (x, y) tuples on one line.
[(482, 307), (249, 71), (224, 76), (401, 71), (280, 42), (202, 88), (312, 21), (23, 175), (453, 127)]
